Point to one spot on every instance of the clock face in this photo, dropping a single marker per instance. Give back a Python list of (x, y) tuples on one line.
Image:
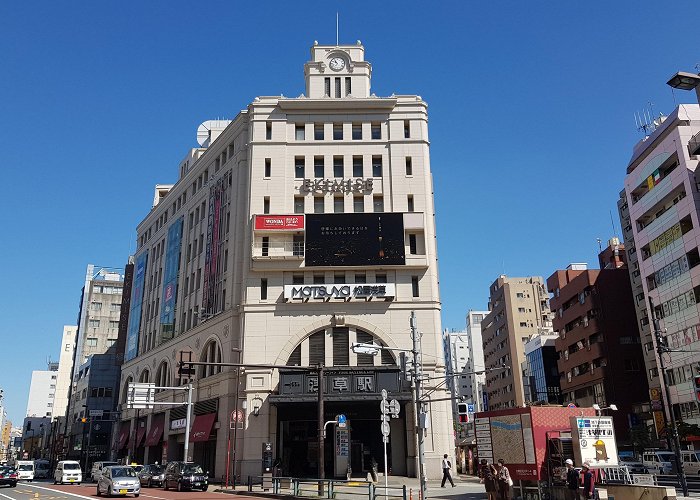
[(337, 63)]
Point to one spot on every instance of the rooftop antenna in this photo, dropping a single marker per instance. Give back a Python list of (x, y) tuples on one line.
[(336, 29), (600, 244), (612, 221)]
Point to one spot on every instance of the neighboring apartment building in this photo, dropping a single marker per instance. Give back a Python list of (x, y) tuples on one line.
[(540, 371), (456, 348), (65, 369), (662, 198), (301, 227), (600, 351), (518, 310), (42, 390)]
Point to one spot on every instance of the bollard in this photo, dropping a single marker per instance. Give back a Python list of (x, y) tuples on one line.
[(404, 492), (410, 494), (250, 483)]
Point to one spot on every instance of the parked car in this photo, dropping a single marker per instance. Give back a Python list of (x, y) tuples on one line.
[(8, 476), (185, 476), (152, 475), (97, 467), (25, 469), (41, 469), (659, 461), (691, 461), (118, 480), (67, 471), (633, 466)]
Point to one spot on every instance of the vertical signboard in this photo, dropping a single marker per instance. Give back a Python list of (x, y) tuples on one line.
[(132, 333), (211, 260), (170, 275), (594, 441)]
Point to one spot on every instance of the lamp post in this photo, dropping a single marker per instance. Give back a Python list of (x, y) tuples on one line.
[(599, 411)]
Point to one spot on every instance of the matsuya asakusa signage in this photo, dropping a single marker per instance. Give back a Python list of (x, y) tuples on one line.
[(343, 291)]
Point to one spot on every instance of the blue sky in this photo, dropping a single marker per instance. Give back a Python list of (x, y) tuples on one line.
[(531, 125)]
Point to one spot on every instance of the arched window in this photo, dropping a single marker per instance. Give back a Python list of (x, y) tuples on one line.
[(163, 375), (341, 340), (145, 375), (125, 389), (210, 354)]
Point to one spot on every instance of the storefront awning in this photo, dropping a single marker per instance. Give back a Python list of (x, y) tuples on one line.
[(201, 428), (123, 434), (155, 433), (141, 432)]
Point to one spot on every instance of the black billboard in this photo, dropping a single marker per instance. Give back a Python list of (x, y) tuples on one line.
[(357, 239)]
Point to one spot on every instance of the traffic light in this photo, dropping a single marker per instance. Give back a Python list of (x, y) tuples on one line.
[(185, 370), (697, 387), (462, 413)]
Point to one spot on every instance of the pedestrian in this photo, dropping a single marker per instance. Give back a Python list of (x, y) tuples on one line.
[(504, 480), (588, 481), (446, 466), (487, 474), (573, 480)]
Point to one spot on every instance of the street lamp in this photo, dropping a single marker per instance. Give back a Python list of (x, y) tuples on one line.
[(599, 410)]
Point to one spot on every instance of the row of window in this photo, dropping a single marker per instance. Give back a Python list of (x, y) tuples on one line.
[(95, 323), (113, 307), (338, 132), (92, 341), (106, 289)]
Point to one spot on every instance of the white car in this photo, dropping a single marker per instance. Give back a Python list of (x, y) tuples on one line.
[(25, 470), (118, 480)]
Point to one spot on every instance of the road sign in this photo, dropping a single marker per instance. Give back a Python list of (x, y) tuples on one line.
[(386, 429), (394, 408), (96, 413), (342, 421), (141, 395), (470, 408), (384, 394)]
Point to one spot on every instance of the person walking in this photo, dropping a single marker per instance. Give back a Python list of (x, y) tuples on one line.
[(573, 480), (446, 466), (588, 481), (487, 474), (504, 480)]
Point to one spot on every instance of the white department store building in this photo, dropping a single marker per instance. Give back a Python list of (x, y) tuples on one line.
[(300, 227)]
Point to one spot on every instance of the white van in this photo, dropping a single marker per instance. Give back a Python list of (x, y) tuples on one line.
[(25, 470), (691, 461), (97, 468), (68, 471), (658, 461)]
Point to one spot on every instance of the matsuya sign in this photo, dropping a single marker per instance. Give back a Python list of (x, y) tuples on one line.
[(339, 291), (355, 185)]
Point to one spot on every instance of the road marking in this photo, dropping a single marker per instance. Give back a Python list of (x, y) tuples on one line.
[(151, 496), (5, 496), (61, 491)]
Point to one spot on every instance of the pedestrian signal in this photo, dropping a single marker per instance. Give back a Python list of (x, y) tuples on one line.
[(462, 413)]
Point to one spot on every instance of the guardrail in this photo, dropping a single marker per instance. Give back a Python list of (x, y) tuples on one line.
[(330, 488)]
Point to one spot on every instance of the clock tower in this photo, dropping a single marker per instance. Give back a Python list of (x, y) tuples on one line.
[(337, 72)]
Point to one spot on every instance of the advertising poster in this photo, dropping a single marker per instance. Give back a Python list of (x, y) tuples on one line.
[(355, 239), (170, 275), (132, 334), (594, 441), (211, 259)]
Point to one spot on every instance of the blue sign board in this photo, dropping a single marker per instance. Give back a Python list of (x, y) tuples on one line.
[(172, 270), (342, 419), (470, 408), (132, 333)]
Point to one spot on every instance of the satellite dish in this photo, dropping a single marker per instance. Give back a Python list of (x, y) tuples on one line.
[(204, 133)]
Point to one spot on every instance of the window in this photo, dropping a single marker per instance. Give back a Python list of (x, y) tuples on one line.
[(298, 279), (115, 307), (113, 324), (96, 306), (356, 131), (376, 131), (94, 323), (360, 278), (414, 286), (268, 167), (410, 203), (337, 87), (211, 354), (358, 204), (380, 278), (299, 133), (268, 130), (338, 279), (376, 166), (327, 88), (91, 342), (111, 342), (406, 129), (338, 167), (412, 244), (318, 131), (318, 204), (378, 203), (409, 165), (337, 131), (298, 204), (299, 167), (318, 167), (357, 170), (319, 279), (263, 289), (265, 246), (266, 205), (338, 204), (348, 85), (298, 246)]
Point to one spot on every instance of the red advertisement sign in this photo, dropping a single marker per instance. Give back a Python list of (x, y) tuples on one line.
[(279, 222)]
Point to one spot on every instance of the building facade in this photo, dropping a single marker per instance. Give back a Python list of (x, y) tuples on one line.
[(540, 371), (661, 198), (41, 392), (600, 351), (65, 369), (301, 227), (518, 310)]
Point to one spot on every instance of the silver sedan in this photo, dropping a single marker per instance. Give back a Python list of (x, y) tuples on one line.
[(118, 480)]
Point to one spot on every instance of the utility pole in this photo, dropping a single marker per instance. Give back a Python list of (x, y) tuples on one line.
[(662, 348), (418, 404), (321, 432)]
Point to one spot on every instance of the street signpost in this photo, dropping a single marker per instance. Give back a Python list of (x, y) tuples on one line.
[(390, 409)]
